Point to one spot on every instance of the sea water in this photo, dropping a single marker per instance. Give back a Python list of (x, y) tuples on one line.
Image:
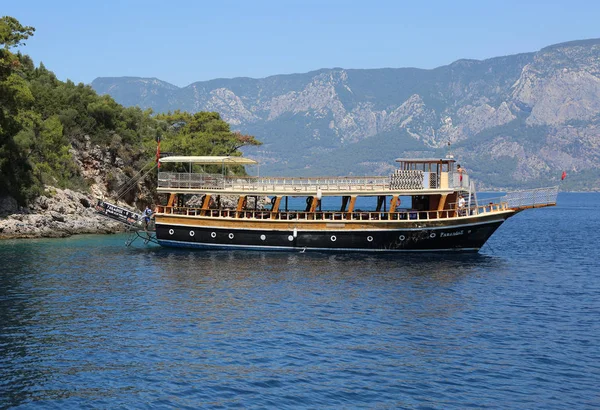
[(88, 322)]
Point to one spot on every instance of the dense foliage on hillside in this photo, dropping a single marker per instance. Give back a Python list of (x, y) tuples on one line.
[(42, 119)]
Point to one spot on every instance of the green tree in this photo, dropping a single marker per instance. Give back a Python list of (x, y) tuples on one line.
[(202, 133), (12, 33), (15, 99)]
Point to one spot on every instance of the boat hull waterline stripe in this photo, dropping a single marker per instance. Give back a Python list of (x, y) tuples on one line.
[(180, 244)]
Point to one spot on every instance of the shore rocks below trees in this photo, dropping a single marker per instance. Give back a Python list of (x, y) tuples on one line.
[(63, 212), (60, 213)]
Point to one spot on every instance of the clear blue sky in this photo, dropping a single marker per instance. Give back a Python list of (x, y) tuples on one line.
[(186, 41)]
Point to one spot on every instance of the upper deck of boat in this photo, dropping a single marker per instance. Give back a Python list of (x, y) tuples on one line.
[(413, 177)]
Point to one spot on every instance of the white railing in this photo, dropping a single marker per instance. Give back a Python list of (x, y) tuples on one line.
[(189, 180), (456, 182), (356, 215), (267, 184), (295, 184), (531, 197), (407, 180)]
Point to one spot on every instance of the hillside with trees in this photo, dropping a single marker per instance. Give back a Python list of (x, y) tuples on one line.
[(64, 135)]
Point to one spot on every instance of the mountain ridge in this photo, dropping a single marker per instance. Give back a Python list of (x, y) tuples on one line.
[(531, 115)]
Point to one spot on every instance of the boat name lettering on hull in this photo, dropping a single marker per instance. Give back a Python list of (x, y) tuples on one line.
[(446, 234)]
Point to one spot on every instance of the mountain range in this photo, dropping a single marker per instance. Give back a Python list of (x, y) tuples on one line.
[(513, 121)]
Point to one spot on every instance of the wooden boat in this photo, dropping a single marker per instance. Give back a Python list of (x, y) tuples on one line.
[(416, 208)]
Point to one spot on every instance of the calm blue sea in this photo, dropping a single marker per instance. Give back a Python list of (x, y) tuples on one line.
[(88, 322)]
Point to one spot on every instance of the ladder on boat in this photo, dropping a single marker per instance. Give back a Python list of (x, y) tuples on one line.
[(134, 222)]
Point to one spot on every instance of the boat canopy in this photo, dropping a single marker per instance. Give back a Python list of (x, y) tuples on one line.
[(210, 160)]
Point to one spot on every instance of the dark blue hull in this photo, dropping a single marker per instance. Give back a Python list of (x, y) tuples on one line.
[(464, 237)]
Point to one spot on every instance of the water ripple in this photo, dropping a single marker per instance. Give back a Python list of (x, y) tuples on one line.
[(87, 322)]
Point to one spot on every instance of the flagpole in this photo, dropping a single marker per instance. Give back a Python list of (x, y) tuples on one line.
[(158, 151)]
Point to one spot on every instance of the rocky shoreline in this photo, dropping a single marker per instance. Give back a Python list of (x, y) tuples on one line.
[(62, 212), (59, 213)]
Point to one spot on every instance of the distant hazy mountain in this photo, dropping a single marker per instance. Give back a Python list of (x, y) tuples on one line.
[(513, 121)]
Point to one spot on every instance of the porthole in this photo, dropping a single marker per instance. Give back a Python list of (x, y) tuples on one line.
[(333, 238), (192, 233), (402, 237), (213, 234), (230, 236), (369, 239), (171, 232), (263, 237), (432, 235), (290, 238)]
